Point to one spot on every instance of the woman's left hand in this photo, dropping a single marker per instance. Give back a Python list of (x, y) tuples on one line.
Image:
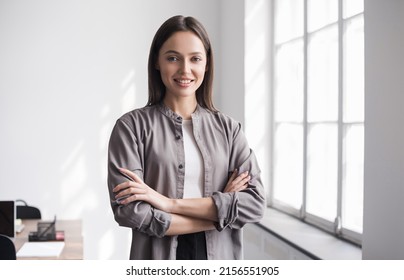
[(236, 182), (137, 190)]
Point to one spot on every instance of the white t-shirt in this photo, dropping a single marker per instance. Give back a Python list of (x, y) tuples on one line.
[(193, 184)]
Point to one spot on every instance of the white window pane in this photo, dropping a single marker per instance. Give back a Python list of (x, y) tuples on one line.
[(353, 157), (288, 20), (321, 13), (322, 87), (352, 7), (288, 97), (288, 164), (322, 167), (354, 71), (323, 162)]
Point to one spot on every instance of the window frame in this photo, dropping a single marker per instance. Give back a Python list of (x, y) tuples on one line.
[(334, 227)]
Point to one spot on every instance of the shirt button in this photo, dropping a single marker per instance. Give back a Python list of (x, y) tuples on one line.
[(180, 166)]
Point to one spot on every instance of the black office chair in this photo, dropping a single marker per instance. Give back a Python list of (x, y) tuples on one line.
[(7, 251), (27, 212)]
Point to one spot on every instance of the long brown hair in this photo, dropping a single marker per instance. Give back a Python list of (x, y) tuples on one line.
[(157, 88)]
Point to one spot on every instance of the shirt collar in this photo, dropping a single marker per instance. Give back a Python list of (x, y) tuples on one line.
[(172, 115)]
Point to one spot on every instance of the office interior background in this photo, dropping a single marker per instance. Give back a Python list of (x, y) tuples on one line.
[(69, 69)]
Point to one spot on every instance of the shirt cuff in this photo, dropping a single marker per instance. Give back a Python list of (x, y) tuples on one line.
[(157, 223), (227, 209)]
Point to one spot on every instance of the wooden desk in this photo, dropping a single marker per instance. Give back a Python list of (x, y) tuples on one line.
[(73, 249)]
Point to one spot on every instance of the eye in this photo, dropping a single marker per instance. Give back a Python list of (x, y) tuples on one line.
[(197, 59), (172, 58)]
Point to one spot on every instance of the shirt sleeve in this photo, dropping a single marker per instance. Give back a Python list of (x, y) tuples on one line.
[(238, 208), (123, 151)]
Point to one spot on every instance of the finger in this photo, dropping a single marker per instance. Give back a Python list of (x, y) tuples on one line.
[(126, 185), (240, 177), (234, 189), (241, 185), (122, 186), (131, 175), (130, 191), (233, 175), (123, 193), (135, 197), (245, 180), (128, 199)]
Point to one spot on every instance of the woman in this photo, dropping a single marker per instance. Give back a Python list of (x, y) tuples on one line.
[(180, 173)]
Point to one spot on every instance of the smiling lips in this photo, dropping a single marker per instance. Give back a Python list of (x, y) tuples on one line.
[(183, 82)]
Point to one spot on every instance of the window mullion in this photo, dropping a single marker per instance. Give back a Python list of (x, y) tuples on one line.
[(305, 125), (272, 106), (340, 117)]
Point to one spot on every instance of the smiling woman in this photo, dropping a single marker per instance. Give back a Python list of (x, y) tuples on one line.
[(181, 174), (182, 65)]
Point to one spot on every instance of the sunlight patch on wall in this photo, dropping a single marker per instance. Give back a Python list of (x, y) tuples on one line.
[(257, 85), (76, 195), (129, 88), (105, 130), (108, 245), (72, 157)]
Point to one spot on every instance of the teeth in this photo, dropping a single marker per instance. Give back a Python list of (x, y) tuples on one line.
[(184, 81)]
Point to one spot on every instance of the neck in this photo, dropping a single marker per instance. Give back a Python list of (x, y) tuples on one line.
[(182, 106)]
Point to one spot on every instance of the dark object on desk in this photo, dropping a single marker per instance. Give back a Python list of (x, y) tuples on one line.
[(46, 231), (7, 218), (59, 235), (7, 251), (27, 212)]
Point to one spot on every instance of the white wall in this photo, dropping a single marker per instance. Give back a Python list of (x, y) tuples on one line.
[(231, 63), (244, 69), (68, 70), (258, 65), (383, 227)]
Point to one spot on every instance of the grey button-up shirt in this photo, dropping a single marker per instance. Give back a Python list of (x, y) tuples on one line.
[(149, 141)]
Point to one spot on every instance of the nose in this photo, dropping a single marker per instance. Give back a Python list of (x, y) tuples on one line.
[(185, 67)]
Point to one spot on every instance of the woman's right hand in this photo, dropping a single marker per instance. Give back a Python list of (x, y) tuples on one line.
[(237, 183)]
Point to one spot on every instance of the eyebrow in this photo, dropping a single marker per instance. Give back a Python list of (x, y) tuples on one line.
[(175, 52)]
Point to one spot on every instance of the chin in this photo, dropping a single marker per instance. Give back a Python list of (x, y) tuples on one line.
[(184, 92)]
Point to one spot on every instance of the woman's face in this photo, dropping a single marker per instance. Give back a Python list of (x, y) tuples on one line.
[(182, 64)]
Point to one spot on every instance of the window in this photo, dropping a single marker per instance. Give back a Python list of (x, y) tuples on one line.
[(318, 113)]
